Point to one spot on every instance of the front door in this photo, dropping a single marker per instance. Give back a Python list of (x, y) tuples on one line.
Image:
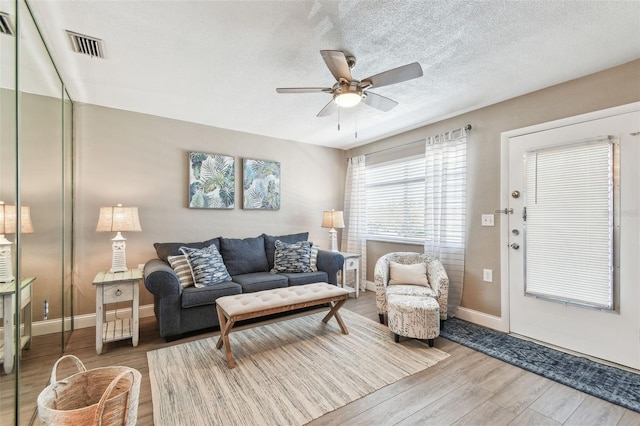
[(609, 334)]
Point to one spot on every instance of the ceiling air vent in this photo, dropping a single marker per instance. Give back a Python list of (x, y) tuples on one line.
[(86, 45), (6, 26)]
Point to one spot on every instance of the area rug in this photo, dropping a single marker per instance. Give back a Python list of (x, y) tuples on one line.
[(287, 373), (612, 384)]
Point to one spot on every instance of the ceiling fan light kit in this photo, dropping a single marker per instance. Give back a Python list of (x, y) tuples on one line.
[(348, 92), (348, 98)]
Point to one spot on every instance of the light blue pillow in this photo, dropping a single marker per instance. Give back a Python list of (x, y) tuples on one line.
[(207, 266), (294, 257)]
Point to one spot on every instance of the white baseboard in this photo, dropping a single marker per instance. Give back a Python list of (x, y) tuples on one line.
[(371, 286), (480, 318), (40, 328)]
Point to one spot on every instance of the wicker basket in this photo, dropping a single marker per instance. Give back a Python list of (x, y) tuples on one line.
[(100, 396)]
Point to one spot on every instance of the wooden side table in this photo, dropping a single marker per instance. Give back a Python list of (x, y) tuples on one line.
[(351, 263), (114, 287), (8, 293)]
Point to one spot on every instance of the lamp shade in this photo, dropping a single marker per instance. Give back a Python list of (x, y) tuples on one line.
[(8, 219), (118, 219), (332, 219)]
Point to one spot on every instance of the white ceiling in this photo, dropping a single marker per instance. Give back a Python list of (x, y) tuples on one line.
[(219, 62)]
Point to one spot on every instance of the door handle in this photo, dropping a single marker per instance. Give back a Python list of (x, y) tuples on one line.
[(515, 246)]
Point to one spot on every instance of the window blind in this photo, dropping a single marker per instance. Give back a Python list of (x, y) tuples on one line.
[(395, 200), (569, 223)]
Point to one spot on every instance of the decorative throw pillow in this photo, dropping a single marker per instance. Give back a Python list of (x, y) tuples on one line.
[(314, 258), (180, 264), (207, 266), (294, 257), (415, 274), (270, 243)]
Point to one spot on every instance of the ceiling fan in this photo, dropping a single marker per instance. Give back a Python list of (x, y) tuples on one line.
[(348, 92)]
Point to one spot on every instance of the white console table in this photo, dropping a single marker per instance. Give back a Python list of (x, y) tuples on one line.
[(8, 314), (114, 287)]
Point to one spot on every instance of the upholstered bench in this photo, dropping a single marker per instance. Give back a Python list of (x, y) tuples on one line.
[(253, 305), (413, 316)]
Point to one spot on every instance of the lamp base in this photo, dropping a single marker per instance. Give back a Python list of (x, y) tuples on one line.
[(333, 238), (118, 257), (6, 263)]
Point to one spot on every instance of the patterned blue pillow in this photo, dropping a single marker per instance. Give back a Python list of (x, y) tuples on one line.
[(294, 257), (206, 265)]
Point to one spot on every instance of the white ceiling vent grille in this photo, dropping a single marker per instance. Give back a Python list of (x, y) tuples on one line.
[(86, 45), (6, 26)]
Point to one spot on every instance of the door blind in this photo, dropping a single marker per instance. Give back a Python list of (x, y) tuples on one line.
[(569, 215)]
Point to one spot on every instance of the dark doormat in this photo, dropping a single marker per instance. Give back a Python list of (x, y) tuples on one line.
[(612, 384)]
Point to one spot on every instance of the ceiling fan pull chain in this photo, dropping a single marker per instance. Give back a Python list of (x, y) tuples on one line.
[(356, 132), (338, 118)]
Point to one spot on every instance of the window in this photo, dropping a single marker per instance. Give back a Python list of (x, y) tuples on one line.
[(395, 200), (569, 223)]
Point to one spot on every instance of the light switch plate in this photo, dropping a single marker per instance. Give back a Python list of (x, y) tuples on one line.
[(487, 220), (487, 275)]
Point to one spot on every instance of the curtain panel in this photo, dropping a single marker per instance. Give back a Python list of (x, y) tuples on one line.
[(445, 207), (354, 235)]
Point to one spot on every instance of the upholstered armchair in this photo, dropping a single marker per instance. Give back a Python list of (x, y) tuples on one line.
[(438, 281)]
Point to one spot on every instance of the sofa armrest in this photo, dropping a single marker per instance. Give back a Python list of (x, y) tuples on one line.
[(160, 279), (330, 262)]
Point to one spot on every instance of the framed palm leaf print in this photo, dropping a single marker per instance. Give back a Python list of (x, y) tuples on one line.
[(211, 181), (261, 184)]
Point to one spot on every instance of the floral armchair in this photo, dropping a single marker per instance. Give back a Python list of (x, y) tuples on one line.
[(438, 281)]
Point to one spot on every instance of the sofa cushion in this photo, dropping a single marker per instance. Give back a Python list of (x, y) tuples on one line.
[(164, 250), (258, 281), (193, 296), (270, 243), (244, 256), (294, 257), (306, 277), (206, 265), (180, 265)]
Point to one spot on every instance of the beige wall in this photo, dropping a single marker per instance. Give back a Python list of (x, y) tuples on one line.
[(142, 160), (613, 87)]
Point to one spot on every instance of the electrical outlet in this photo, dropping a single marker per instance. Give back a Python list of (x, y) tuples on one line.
[(487, 275), (487, 220)]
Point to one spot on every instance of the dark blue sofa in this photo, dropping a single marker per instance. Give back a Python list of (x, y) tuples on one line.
[(248, 261)]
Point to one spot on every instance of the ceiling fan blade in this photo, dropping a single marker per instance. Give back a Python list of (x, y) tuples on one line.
[(303, 89), (328, 109), (396, 75), (379, 102), (337, 64)]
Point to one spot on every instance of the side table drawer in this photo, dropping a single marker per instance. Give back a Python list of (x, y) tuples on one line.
[(120, 292), (351, 264)]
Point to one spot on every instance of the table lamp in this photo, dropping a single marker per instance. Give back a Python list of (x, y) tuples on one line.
[(333, 219), (118, 219), (8, 221)]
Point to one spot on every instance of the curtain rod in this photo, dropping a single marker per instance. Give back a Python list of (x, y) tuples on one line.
[(466, 128)]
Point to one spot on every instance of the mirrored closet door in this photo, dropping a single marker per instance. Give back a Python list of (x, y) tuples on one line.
[(36, 152)]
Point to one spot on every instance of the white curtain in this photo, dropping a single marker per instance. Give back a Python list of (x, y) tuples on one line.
[(354, 235), (445, 207)]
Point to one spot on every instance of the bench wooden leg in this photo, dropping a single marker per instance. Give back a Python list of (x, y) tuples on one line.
[(225, 329), (334, 313)]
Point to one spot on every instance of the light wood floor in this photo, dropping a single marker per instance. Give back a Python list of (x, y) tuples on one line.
[(468, 388)]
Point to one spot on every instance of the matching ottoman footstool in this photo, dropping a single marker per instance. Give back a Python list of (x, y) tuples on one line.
[(413, 316)]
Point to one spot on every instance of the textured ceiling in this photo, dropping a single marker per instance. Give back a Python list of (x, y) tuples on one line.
[(219, 62)]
